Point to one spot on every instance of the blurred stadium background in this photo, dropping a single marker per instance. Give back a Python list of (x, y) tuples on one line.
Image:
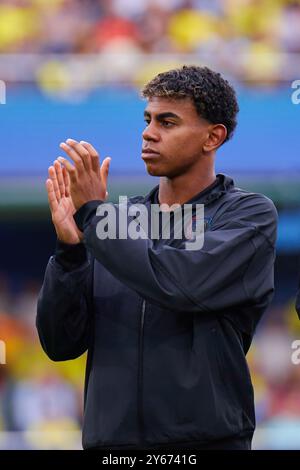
[(73, 68)]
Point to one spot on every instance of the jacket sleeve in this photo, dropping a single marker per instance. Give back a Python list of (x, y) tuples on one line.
[(63, 308), (298, 302), (234, 266)]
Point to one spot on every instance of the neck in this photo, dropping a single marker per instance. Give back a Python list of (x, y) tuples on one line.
[(182, 188)]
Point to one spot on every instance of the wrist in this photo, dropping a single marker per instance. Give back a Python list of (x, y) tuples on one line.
[(83, 216), (68, 237), (70, 256)]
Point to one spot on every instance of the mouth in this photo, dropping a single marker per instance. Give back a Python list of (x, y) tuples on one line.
[(149, 154)]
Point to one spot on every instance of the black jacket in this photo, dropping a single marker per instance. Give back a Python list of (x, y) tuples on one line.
[(298, 302), (166, 329)]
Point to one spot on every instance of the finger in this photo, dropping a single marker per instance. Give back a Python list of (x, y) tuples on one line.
[(66, 181), (74, 156), (53, 177), (105, 170), (82, 152), (95, 160), (70, 169), (60, 179), (52, 200)]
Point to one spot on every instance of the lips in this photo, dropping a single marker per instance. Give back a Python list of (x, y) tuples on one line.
[(149, 153)]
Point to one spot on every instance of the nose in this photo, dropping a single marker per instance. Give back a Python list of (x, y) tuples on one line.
[(151, 133)]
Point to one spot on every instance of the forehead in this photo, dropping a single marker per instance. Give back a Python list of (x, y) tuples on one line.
[(182, 107)]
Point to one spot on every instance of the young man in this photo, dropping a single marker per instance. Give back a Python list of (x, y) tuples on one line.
[(166, 328)]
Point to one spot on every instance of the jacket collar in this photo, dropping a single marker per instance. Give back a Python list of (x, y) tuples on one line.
[(221, 186)]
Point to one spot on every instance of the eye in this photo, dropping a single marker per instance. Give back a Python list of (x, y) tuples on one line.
[(147, 122), (167, 124)]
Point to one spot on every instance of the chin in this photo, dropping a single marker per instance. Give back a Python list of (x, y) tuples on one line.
[(154, 171), (159, 172)]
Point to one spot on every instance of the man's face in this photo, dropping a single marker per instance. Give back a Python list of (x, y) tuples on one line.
[(174, 137)]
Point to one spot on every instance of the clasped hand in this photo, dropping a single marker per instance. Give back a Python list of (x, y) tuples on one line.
[(70, 186), (88, 179)]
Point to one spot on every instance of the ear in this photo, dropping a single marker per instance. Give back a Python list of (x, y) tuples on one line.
[(216, 137)]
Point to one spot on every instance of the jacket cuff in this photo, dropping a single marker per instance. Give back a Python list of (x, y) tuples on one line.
[(85, 213), (70, 256)]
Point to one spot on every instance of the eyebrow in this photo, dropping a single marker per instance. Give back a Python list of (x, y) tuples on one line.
[(162, 116)]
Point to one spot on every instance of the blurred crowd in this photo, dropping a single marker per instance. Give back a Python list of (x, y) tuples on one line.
[(254, 41), (41, 401)]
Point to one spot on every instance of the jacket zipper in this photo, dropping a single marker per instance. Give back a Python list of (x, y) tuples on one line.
[(140, 374)]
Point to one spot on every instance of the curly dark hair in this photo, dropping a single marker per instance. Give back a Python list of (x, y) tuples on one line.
[(214, 98)]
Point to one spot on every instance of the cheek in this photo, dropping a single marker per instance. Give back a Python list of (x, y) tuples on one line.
[(188, 136), (184, 146), (194, 140)]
